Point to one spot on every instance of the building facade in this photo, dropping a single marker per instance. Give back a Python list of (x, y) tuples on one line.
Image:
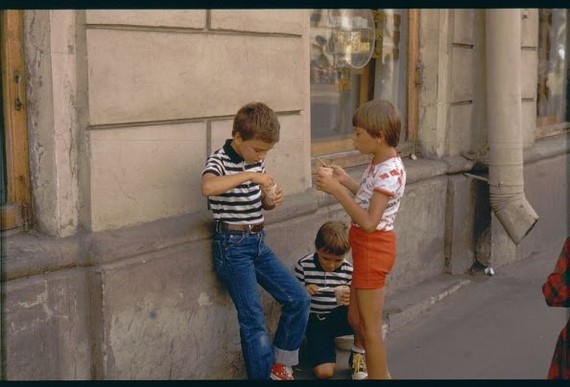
[(109, 117)]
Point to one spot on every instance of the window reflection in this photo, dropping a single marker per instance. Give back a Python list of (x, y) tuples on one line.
[(389, 57), (553, 71), (370, 65)]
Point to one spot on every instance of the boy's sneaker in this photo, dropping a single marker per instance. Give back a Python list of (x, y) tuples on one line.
[(281, 372), (358, 365)]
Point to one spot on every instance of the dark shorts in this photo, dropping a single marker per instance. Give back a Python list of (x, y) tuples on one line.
[(321, 332)]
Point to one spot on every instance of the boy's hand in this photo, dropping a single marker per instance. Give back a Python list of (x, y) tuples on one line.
[(278, 199), (275, 200), (217, 185), (263, 179), (312, 289), (327, 183), (339, 173)]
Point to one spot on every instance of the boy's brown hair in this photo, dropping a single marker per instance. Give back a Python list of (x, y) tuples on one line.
[(256, 120), (332, 238), (379, 118)]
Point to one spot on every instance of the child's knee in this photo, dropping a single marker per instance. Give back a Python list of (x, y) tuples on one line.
[(324, 371)]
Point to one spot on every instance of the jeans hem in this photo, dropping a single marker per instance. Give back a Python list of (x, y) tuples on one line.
[(288, 358)]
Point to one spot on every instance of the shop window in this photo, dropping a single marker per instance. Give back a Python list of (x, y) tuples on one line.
[(377, 60), (553, 113), (14, 165)]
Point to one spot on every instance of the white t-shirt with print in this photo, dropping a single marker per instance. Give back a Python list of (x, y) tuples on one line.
[(388, 177)]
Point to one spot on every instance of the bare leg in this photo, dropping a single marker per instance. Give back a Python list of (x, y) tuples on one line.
[(370, 303), (354, 317), (354, 320), (358, 340)]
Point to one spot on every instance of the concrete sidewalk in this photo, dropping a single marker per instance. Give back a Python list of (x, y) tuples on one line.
[(400, 310), (469, 326)]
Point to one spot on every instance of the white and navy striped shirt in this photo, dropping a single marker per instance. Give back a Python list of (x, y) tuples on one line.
[(309, 271), (241, 204)]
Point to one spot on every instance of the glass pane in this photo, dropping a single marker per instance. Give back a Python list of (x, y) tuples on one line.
[(553, 43), (356, 55), (391, 58), (335, 83)]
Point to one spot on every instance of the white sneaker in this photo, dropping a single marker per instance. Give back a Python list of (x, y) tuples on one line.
[(358, 366)]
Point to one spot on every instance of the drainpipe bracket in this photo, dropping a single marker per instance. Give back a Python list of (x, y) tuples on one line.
[(478, 177)]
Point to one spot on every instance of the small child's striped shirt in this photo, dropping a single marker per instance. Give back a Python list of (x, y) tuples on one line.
[(309, 271)]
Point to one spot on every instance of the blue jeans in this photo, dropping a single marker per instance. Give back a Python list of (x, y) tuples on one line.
[(242, 260)]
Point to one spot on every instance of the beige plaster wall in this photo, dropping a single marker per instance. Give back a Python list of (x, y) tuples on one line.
[(148, 172), (163, 87), (434, 89), (45, 318), (529, 65), (148, 17), (139, 76), (452, 102), (274, 20), (466, 134), (50, 55)]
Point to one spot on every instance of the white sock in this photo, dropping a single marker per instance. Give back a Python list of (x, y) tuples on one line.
[(356, 349)]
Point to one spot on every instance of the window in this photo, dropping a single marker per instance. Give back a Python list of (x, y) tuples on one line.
[(341, 82), (552, 98), (14, 166)]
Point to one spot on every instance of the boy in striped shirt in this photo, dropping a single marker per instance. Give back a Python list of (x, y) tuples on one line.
[(233, 180), (321, 272)]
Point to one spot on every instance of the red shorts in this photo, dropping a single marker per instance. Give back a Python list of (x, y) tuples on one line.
[(373, 256)]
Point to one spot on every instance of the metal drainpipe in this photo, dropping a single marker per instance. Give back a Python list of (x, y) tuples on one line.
[(504, 123)]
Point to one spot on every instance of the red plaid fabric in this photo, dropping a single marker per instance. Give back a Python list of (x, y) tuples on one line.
[(556, 292)]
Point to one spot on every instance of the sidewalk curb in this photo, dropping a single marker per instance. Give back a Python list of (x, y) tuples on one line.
[(403, 308)]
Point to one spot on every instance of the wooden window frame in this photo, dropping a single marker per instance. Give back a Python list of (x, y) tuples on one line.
[(414, 78), (16, 212), (326, 152)]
